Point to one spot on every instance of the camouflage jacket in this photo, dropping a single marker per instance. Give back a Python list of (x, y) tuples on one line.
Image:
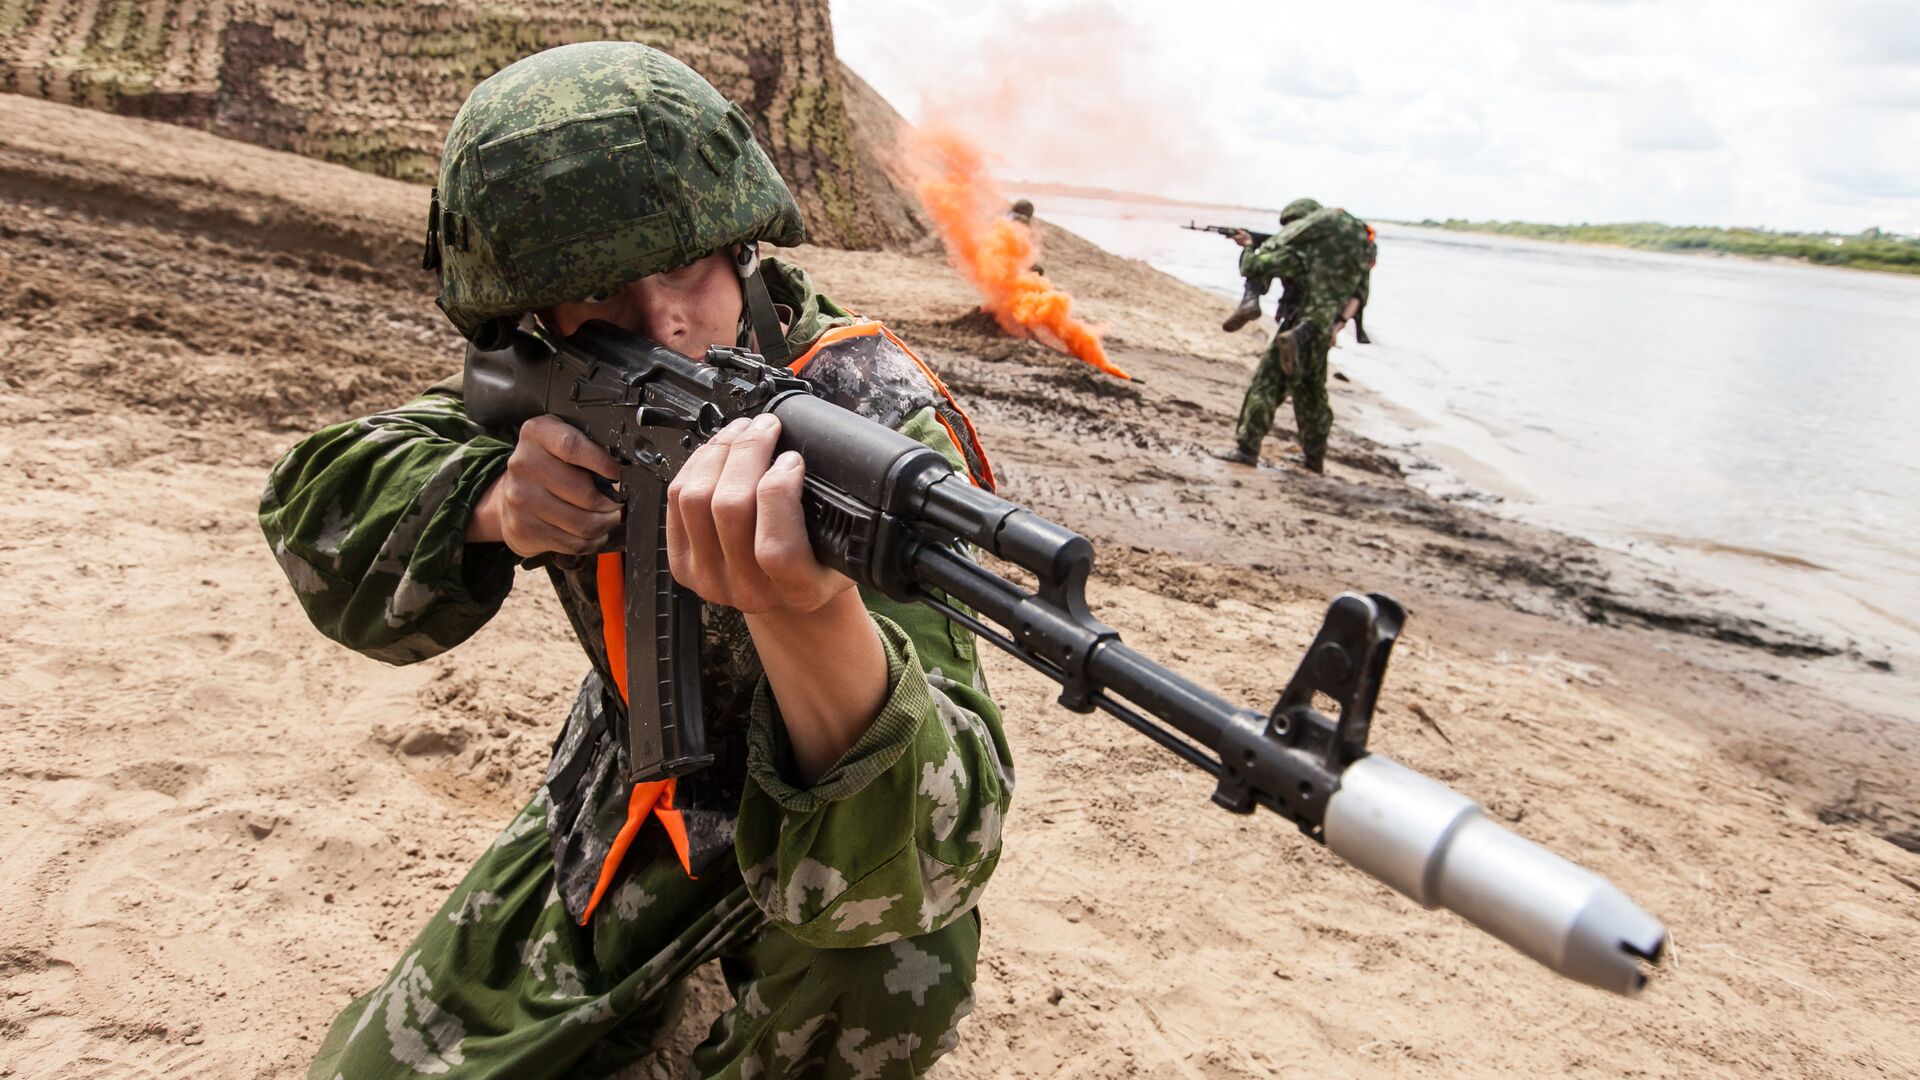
[(1320, 261), (368, 519)]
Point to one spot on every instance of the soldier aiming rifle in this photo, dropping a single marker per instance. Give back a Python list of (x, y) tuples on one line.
[(1324, 258)]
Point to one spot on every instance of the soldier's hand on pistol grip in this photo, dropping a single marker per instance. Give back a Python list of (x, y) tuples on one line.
[(735, 530), (547, 500)]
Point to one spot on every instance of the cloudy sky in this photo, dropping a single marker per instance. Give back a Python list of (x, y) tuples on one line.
[(1796, 115)]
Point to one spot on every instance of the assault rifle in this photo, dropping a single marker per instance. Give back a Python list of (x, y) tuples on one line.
[(893, 515), (1228, 231)]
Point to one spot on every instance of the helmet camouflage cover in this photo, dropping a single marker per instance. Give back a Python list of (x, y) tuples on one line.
[(1297, 209), (584, 167)]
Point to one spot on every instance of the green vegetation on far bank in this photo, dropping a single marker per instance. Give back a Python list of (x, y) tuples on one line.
[(1870, 249)]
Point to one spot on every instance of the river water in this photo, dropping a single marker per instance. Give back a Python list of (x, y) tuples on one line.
[(1754, 425)]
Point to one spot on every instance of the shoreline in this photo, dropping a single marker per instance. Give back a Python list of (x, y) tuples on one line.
[(1786, 260), (1780, 589), (1111, 195), (1710, 567), (1454, 456), (230, 826)]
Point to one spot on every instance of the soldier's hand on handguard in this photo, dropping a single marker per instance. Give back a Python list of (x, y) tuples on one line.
[(736, 535), (546, 501), (1243, 238), (735, 531)]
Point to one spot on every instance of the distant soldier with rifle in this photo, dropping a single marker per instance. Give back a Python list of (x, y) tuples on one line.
[(1257, 285), (1322, 258), (828, 833)]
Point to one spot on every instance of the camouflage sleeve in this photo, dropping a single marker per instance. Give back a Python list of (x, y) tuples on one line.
[(369, 520), (1276, 257), (899, 837)]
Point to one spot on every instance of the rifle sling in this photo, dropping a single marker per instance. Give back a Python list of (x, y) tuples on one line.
[(769, 340)]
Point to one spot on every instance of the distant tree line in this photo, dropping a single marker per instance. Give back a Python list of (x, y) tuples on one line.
[(1869, 249)]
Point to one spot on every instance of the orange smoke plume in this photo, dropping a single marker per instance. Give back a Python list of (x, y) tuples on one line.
[(995, 253)]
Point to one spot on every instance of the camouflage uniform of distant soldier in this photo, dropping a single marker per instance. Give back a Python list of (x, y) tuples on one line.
[(1321, 259), (842, 911), (1258, 284), (1356, 309)]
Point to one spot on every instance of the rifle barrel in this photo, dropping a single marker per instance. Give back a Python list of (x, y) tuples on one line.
[(1400, 827)]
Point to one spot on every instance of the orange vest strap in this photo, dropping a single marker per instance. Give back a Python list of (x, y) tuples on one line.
[(838, 333), (654, 798), (873, 329), (610, 579)]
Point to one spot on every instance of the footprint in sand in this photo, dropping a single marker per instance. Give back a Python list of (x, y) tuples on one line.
[(169, 778)]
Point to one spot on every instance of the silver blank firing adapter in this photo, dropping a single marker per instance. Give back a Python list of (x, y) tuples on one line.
[(1433, 845)]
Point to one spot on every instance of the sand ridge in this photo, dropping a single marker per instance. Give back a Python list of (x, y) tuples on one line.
[(219, 826)]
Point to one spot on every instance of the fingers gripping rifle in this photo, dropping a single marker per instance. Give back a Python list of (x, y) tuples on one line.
[(1228, 231), (892, 514)]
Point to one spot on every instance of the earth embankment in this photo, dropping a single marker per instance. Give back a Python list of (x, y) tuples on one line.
[(375, 85)]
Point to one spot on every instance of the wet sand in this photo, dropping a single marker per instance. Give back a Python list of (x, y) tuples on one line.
[(220, 827)]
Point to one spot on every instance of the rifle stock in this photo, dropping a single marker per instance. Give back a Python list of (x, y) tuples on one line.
[(892, 514)]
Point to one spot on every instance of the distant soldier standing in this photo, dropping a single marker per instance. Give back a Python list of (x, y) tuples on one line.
[(1321, 259)]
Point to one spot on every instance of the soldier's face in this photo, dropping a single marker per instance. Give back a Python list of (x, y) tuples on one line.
[(686, 310)]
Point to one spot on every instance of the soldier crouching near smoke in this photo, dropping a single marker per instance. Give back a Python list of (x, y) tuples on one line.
[(833, 857), (1021, 213)]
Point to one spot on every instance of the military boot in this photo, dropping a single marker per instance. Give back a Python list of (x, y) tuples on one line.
[(1237, 454), (1248, 310)]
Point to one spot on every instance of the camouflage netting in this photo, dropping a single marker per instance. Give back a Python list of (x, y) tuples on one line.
[(374, 83)]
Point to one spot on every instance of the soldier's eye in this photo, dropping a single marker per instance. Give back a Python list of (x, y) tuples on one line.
[(600, 297)]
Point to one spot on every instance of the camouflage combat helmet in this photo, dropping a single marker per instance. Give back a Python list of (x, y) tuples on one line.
[(1297, 209), (582, 168)]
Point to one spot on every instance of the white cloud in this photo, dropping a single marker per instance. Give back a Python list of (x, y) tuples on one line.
[(1792, 115), (1666, 122)]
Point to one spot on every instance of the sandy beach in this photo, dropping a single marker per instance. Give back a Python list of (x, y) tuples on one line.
[(219, 827)]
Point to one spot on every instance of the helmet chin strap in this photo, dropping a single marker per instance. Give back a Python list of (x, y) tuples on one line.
[(757, 317)]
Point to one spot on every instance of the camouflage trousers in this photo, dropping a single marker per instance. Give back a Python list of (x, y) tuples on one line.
[(502, 983), (1303, 347)]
